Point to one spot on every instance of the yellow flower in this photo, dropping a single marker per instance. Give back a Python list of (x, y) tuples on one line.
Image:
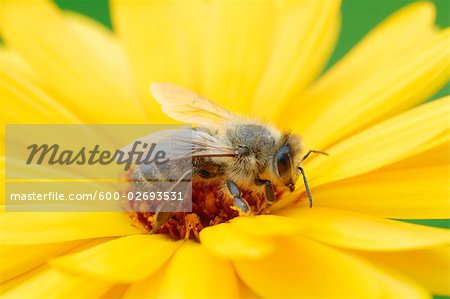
[(389, 159)]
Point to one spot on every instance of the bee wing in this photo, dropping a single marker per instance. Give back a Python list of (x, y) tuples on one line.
[(202, 144), (180, 144), (186, 106), (174, 175)]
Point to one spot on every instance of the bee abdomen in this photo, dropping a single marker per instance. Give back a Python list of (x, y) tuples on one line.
[(152, 177)]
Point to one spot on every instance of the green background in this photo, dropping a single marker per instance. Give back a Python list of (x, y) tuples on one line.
[(358, 18)]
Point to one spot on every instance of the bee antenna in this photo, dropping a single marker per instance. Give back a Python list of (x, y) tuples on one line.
[(315, 152), (305, 181)]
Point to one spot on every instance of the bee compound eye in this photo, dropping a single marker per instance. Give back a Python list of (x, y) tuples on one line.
[(283, 160)]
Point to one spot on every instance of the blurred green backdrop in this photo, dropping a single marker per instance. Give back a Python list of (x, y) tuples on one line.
[(358, 18)]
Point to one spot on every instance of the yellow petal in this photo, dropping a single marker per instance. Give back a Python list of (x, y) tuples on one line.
[(79, 61), (438, 155), (246, 43), (122, 260), (398, 138), (304, 38), (245, 292), (147, 288), (31, 273), (27, 100), (301, 268), (116, 292), (194, 273), (16, 281), (17, 259), (184, 39), (191, 273), (430, 267), (409, 193), (265, 225), (394, 285), (162, 40), (358, 231), (52, 283), (402, 84), (406, 29), (12, 283), (226, 240), (50, 227)]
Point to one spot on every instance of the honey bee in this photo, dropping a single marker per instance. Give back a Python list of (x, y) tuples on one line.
[(238, 153)]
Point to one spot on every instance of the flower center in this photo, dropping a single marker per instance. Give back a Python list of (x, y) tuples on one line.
[(209, 207)]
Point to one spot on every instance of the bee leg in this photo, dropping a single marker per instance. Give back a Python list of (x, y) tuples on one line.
[(270, 195), (240, 203), (161, 218), (166, 209), (162, 215)]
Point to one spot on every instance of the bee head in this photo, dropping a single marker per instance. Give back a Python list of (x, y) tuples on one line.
[(286, 160)]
